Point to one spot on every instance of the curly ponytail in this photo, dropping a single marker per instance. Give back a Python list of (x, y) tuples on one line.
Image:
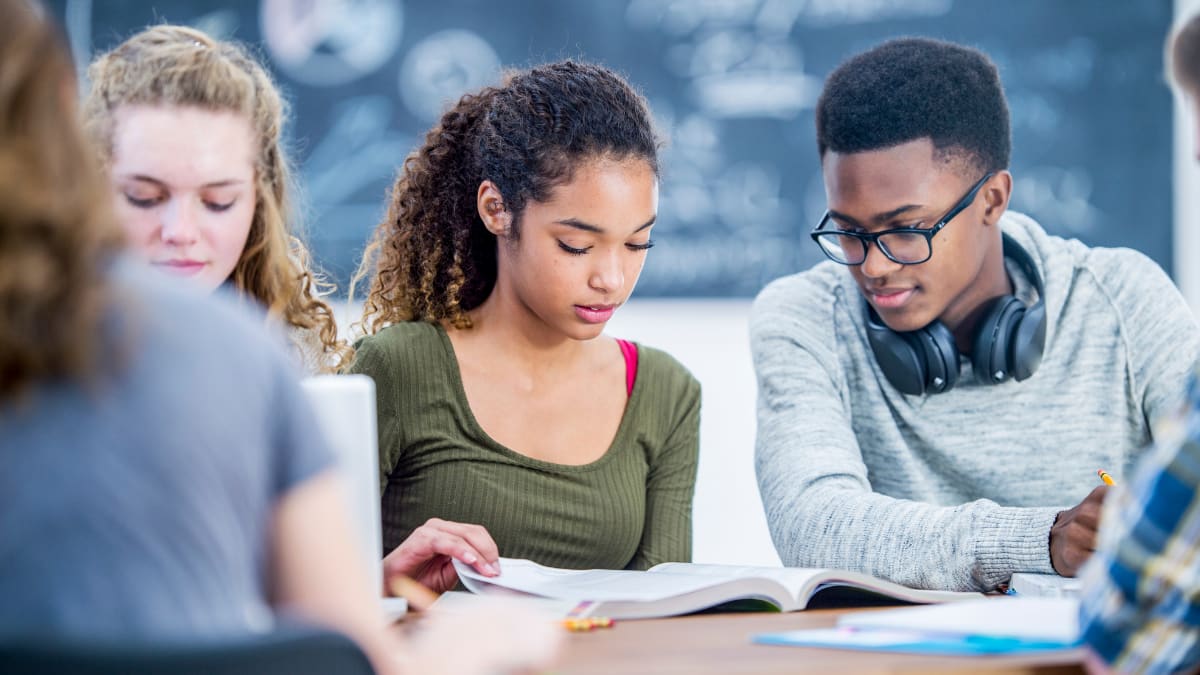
[(429, 269)]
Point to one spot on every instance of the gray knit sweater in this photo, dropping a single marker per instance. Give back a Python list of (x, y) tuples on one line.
[(958, 490)]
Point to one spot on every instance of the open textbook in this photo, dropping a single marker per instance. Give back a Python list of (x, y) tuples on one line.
[(670, 589)]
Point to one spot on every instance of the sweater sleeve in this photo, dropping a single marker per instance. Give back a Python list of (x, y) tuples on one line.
[(671, 477), (820, 507)]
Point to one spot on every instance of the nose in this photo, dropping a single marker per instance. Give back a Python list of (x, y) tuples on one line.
[(178, 222), (877, 265), (608, 275)]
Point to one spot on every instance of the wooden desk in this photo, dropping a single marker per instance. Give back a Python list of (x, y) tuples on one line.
[(720, 643)]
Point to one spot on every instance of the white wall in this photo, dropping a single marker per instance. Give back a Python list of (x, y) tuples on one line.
[(1187, 192)]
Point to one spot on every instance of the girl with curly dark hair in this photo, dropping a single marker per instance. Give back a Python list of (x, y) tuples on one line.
[(508, 423)]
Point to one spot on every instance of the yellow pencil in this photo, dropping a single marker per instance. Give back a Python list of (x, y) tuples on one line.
[(1108, 480), (419, 596)]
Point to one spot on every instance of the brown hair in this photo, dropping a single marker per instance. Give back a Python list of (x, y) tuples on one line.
[(1183, 55), (432, 257), (176, 65), (56, 234)]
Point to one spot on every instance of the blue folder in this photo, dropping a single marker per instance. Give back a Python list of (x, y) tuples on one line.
[(912, 642)]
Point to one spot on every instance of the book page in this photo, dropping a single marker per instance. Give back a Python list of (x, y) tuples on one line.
[(794, 579), (599, 585), (802, 583)]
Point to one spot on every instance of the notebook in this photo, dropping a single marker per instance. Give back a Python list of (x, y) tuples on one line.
[(1045, 585), (1001, 625), (671, 589)]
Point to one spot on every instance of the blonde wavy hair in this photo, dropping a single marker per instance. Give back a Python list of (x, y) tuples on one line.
[(180, 66), (56, 236)]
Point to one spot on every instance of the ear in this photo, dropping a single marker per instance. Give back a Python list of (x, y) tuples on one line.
[(995, 195), (490, 204)]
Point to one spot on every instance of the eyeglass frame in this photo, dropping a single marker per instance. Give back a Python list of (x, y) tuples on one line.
[(868, 238)]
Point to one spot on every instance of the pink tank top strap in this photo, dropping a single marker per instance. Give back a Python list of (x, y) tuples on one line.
[(629, 351)]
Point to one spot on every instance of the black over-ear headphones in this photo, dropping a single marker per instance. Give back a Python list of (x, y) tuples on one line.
[(1008, 341)]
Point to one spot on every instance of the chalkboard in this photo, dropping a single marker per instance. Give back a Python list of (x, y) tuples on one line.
[(732, 84)]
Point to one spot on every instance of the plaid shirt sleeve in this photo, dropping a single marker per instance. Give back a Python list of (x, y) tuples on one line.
[(1141, 612)]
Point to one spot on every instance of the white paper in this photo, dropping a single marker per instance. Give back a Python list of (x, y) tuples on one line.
[(1048, 619)]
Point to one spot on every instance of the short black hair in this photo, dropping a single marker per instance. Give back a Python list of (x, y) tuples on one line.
[(912, 88)]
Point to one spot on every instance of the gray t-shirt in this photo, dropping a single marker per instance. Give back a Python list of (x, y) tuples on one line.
[(140, 504), (958, 490)]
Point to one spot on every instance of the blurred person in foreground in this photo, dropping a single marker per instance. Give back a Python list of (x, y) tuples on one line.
[(161, 476)]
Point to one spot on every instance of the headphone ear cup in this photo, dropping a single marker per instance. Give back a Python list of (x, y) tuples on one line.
[(918, 362), (941, 357), (1029, 342), (994, 339), (900, 357)]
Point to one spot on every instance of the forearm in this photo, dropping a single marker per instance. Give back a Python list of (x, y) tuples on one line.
[(836, 523), (318, 570)]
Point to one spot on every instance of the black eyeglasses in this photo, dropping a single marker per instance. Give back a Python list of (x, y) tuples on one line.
[(905, 245)]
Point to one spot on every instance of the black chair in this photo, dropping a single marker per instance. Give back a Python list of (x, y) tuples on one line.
[(287, 651)]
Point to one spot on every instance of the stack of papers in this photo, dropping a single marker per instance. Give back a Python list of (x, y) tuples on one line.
[(1045, 585), (1004, 625)]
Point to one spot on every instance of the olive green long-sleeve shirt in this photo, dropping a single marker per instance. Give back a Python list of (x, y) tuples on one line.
[(629, 509)]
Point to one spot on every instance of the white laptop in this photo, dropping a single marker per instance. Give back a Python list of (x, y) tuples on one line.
[(345, 409)]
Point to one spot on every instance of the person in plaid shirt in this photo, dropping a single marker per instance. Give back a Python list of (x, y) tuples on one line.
[(1141, 612)]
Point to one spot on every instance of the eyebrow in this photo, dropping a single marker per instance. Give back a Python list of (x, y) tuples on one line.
[(878, 218), (588, 227), (215, 184)]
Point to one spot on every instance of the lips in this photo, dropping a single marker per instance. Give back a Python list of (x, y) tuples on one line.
[(595, 313), (180, 266), (890, 298)]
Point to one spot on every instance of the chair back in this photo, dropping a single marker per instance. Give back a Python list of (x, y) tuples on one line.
[(287, 651)]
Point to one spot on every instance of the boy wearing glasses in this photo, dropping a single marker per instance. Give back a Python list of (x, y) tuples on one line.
[(934, 401)]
